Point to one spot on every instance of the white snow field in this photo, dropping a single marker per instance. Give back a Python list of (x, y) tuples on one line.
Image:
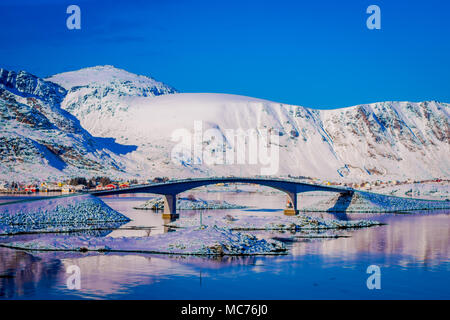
[(191, 241)]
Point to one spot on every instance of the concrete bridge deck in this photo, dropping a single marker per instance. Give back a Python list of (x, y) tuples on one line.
[(171, 188)]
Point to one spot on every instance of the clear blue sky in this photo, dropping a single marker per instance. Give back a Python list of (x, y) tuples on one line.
[(313, 53)]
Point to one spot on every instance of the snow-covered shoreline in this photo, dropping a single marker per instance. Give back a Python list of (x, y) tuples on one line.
[(300, 222), (191, 241), (423, 190), (369, 202)]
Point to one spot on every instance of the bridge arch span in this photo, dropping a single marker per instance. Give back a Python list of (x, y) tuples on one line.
[(171, 188)]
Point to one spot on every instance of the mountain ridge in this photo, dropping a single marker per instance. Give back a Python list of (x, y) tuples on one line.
[(377, 141)]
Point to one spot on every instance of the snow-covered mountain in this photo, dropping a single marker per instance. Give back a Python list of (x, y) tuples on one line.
[(105, 89), (39, 140), (398, 139), (49, 129), (387, 140)]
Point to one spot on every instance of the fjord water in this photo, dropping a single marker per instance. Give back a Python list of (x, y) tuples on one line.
[(412, 251)]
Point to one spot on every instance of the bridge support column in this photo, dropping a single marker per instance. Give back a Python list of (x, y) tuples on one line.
[(170, 206), (291, 204)]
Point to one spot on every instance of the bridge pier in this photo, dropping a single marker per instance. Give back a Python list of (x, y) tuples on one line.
[(170, 206), (291, 204)]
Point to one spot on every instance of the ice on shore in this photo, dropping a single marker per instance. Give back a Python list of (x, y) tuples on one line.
[(364, 202), (300, 222), (62, 214), (191, 241), (189, 204)]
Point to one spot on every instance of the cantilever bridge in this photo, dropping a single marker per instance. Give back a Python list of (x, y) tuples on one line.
[(171, 188)]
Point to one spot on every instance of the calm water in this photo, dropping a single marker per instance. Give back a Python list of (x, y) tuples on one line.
[(411, 250)]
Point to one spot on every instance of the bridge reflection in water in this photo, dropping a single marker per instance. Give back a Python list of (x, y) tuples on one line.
[(170, 189)]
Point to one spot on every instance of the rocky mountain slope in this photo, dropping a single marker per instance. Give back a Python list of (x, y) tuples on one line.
[(398, 139), (39, 140)]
